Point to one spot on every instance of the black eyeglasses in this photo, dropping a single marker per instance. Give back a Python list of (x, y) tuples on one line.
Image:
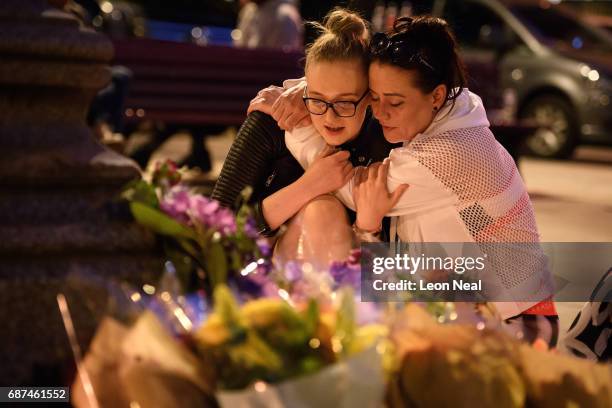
[(344, 109), (397, 49)]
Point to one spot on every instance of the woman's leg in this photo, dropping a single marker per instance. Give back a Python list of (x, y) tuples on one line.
[(319, 233)]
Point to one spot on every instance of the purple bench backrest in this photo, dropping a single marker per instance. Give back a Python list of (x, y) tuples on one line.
[(188, 84)]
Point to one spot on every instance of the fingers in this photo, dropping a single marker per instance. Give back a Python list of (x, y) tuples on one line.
[(360, 175), (292, 120), (296, 118), (271, 90), (259, 104), (305, 121), (347, 172), (278, 112), (265, 99), (373, 171), (278, 107), (327, 150), (288, 108), (383, 171), (397, 194), (348, 168), (341, 155), (285, 122), (287, 115)]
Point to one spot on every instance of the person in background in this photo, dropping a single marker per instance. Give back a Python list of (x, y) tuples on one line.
[(270, 24)]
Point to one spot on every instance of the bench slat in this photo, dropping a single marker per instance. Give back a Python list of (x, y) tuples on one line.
[(187, 84)]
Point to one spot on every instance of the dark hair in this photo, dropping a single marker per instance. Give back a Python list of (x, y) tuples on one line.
[(344, 36), (426, 45)]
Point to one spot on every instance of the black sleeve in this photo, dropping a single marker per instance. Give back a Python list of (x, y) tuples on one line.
[(258, 143)]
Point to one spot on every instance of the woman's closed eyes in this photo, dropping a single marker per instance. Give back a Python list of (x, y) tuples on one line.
[(392, 104)]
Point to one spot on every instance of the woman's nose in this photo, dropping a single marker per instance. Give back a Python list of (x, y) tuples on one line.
[(379, 111), (330, 114)]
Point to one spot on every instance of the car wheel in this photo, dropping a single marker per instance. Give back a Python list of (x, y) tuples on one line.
[(557, 135)]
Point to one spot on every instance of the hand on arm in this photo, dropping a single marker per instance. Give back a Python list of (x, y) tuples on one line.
[(265, 99), (330, 171), (372, 197), (284, 105)]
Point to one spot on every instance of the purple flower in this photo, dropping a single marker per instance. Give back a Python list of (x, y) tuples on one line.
[(264, 268), (345, 273), (250, 228), (264, 246), (293, 271), (223, 220), (176, 203), (187, 208), (269, 289), (337, 269), (203, 209)]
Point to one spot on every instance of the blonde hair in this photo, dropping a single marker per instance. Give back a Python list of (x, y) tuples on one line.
[(345, 35)]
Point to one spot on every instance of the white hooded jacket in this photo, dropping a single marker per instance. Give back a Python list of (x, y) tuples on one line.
[(464, 187)]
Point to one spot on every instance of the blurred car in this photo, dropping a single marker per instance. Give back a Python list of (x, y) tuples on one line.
[(552, 68)]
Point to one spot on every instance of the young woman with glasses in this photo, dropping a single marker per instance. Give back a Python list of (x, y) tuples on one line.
[(284, 194)]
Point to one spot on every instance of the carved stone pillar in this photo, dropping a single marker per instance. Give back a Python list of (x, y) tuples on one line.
[(58, 185)]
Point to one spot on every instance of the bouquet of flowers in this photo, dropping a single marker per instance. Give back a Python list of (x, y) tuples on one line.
[(263, 352), (265, 337), (202, 233), (269, 352), (295, 336), (466, 365)]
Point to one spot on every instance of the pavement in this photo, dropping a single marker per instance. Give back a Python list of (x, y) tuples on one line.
[(572, 200)]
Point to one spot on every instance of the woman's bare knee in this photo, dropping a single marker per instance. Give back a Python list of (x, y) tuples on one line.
[(319, 233), (324, 210)]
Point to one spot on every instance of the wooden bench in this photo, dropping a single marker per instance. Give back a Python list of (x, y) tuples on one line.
[(187, 84)]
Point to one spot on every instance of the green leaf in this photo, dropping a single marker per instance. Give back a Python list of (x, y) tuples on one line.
[(158, 221), (311, 317), (346, 325), (188, 247), (227, 307), (243, 198), (183, 265), (216, 264), (141, 191)]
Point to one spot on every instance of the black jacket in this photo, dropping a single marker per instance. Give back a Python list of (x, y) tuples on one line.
[(259, 158)]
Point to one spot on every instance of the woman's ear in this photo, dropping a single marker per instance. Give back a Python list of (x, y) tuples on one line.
[(439, 96)]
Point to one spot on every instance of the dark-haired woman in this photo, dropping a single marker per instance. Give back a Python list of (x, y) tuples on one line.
[(463, 185)]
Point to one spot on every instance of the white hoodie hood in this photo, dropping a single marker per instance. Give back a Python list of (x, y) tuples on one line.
[(467, 112)]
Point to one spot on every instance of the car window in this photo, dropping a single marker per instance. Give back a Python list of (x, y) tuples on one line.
[(554, 27), (473, 23)]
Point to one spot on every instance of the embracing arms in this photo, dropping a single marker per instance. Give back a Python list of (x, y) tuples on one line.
[(258, 147)]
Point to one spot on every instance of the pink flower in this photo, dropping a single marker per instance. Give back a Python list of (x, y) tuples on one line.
[(187, 208), (177, 203), (224, 221), (203, 209)]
